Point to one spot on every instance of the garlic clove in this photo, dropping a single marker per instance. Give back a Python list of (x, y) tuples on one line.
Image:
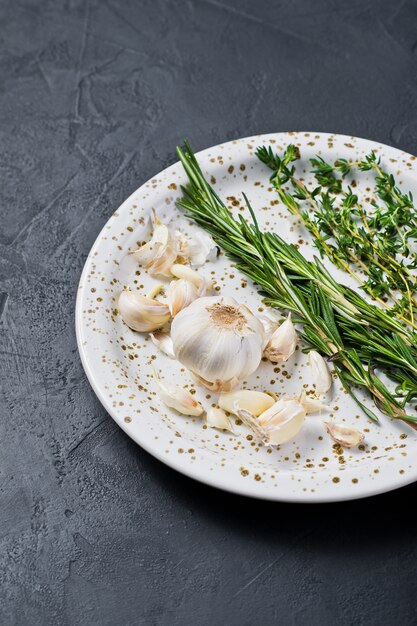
[(180, 294), (217, 418), (218, 339), (280, 423), (155, 291), (321, 376), (311, 404), (282, 343), (160, 252), (177, 398), (256, 402), (200, 249), (184, 271), (344, 435), (270, 321), (163, 342), (283, 420), (216, 385), (141, 313)]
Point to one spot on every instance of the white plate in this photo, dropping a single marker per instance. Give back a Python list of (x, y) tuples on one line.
[(118, 361)]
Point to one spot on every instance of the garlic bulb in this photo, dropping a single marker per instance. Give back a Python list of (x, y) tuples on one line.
[(217, 418), (177, 398), (218, 340), (256, 402), (320, 372), (311, 404), (283, 420), (160, 252), (141, 313), (282, 343), (180, 294), (163, 342)]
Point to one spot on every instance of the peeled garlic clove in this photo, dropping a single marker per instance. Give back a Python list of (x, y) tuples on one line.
[(282, 343), (163, 342), (180, 294), (283, 420), (155, 291), (177, 398), (141, 313), (216, 385), (218, 339), (160, 252), (310, 404), (321, 377), (256, 402), (345, 436), (184, 271), (217, 418)]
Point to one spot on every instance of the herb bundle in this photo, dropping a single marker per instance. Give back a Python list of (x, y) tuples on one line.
[(359, 338), (344, 231)]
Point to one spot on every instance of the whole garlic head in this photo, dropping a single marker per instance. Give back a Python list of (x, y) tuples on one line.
[(218, 340)]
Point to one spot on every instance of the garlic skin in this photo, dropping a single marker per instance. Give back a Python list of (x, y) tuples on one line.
[(311, 404), (141, 313), (217, 385), (177, 398), (270, 321), (160, 252), (163, 342), (321, 376), (282, 343), (283, 421), (252, 422), (180, 294), (218, 339), (217, 418), (256, 402), (344, 435), (200, 248)]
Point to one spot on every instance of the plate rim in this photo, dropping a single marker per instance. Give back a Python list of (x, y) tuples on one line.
[(259, 491)]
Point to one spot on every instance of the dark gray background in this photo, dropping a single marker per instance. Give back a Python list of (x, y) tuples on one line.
[(94, 96)]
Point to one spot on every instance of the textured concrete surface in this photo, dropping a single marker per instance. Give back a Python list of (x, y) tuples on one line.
[(94, 96)]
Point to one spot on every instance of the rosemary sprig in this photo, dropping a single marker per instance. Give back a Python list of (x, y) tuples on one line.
[(336, 321), (344, 233)]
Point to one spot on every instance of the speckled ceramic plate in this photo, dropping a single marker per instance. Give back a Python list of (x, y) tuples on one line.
[(118, 361)]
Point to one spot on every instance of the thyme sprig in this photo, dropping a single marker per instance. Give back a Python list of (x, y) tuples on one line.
[(335, 320), (343, 232), (397, 220)]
